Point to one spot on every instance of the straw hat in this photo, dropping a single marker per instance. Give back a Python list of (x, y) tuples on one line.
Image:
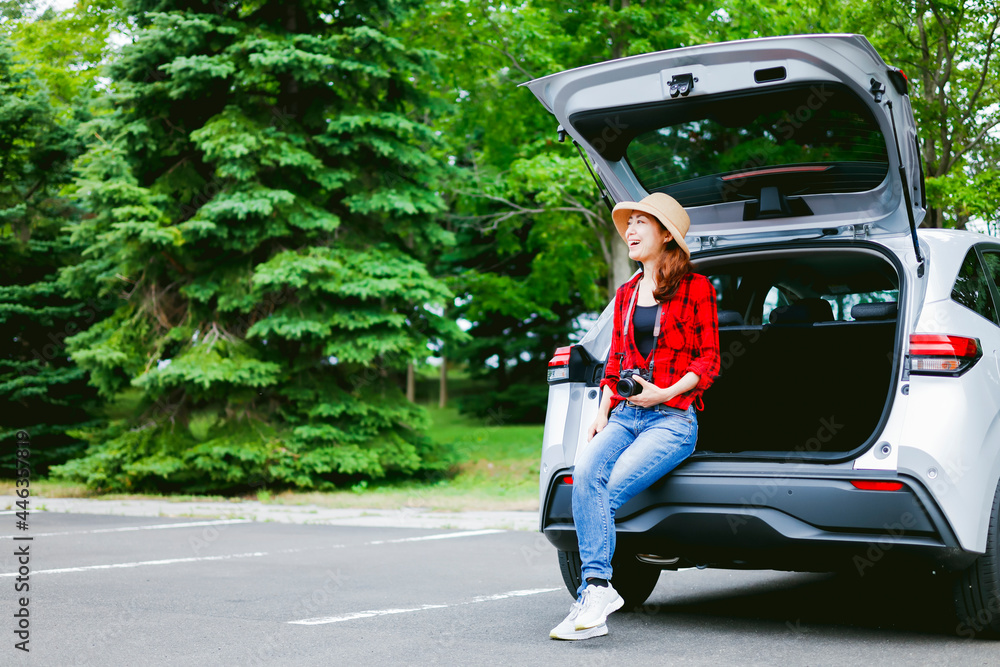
[(664, 208)]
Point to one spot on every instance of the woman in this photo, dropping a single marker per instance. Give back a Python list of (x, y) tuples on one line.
[(665, 323)]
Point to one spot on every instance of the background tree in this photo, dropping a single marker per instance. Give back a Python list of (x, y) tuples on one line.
[(48, 65), (949, 53), (270, 274), (536, 248), (279, 203)]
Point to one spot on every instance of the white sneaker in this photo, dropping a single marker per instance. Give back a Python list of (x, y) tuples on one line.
[(567, 629), (596, 603)]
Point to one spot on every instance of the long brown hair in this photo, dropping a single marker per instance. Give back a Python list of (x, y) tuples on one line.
[(670, 268)]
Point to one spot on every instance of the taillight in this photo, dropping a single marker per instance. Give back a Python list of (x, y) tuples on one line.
[(874, 485), (899, 80), (941, 354), (559, 364)]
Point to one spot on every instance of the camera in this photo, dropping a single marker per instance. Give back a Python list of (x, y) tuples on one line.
[(628, 387)]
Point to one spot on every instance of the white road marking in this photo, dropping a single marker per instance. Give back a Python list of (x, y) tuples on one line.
[(323, 620), (157, 526), (440, 536), (365, 614), (511, 594), (171, 561), (168, 561)]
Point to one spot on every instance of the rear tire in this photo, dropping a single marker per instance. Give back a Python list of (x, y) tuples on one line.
[(633, 580), (569, 566), (976, 589)]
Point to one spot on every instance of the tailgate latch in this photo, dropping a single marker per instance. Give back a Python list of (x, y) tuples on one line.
[(682, 84)]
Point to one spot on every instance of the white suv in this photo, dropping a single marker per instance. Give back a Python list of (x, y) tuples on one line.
[(856, 419)]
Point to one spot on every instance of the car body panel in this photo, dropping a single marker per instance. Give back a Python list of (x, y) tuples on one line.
[(950, 247), (953, 424), (724, 69), (772, 516), (909, 312)]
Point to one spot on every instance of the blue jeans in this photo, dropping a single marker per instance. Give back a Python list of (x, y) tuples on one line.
[(636, 448)]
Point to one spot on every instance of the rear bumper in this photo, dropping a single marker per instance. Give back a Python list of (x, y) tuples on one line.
[(769, 522)]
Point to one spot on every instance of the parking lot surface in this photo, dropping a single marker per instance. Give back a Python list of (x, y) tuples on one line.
[(134, 590)]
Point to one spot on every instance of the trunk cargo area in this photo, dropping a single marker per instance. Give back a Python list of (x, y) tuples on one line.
[(800, 382)]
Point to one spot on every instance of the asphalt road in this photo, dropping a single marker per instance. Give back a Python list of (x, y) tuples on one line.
[(112, 590)]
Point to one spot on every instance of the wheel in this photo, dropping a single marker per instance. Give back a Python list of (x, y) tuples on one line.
[(633, 580), (977, 588), (569, 565)]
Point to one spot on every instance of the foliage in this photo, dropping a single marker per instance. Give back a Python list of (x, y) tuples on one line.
[(535, 244), (524, 278), (949, 53), (969, 192), (44, 87), (263, 200), (65, 49), (496, 469), (278, 206)]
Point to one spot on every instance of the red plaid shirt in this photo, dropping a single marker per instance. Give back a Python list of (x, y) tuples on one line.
[(688, 342)]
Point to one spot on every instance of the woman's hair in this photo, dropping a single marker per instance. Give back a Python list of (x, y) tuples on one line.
[(672, 266)]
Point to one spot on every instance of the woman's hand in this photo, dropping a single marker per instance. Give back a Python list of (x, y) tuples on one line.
[(603, 414), (600, 421), (650, 394)]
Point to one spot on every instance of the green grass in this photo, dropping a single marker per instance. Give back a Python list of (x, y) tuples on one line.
[(498, 470)]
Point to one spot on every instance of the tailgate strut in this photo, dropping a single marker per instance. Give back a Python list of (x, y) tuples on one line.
[(600, 188), (906, 191)]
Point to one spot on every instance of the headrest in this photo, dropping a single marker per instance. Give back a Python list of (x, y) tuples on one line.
[(730, 318), (804, 311), (875, 311)]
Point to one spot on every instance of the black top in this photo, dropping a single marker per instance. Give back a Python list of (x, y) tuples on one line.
[(643, 322)]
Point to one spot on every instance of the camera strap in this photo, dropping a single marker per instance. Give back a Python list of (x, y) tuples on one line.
[(629, 314)]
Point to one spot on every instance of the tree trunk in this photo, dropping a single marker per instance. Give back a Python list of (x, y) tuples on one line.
[(961, 219), (443, 391), (411, 389), (933, 218), (621, 266)]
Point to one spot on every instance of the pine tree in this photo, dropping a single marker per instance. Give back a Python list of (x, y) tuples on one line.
[(41, 390), (264, 204)]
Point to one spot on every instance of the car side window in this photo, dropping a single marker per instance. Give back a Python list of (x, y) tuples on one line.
[(991, 260), (726, 291), (843, 303), (775, 298), (971, 289)]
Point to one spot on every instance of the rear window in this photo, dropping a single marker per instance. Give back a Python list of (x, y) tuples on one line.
[(829, 284), (971, 289), (843, 304), (807, 139), (840, 304)]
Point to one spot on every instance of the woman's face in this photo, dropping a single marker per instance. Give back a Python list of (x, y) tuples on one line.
[(646, 237)]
